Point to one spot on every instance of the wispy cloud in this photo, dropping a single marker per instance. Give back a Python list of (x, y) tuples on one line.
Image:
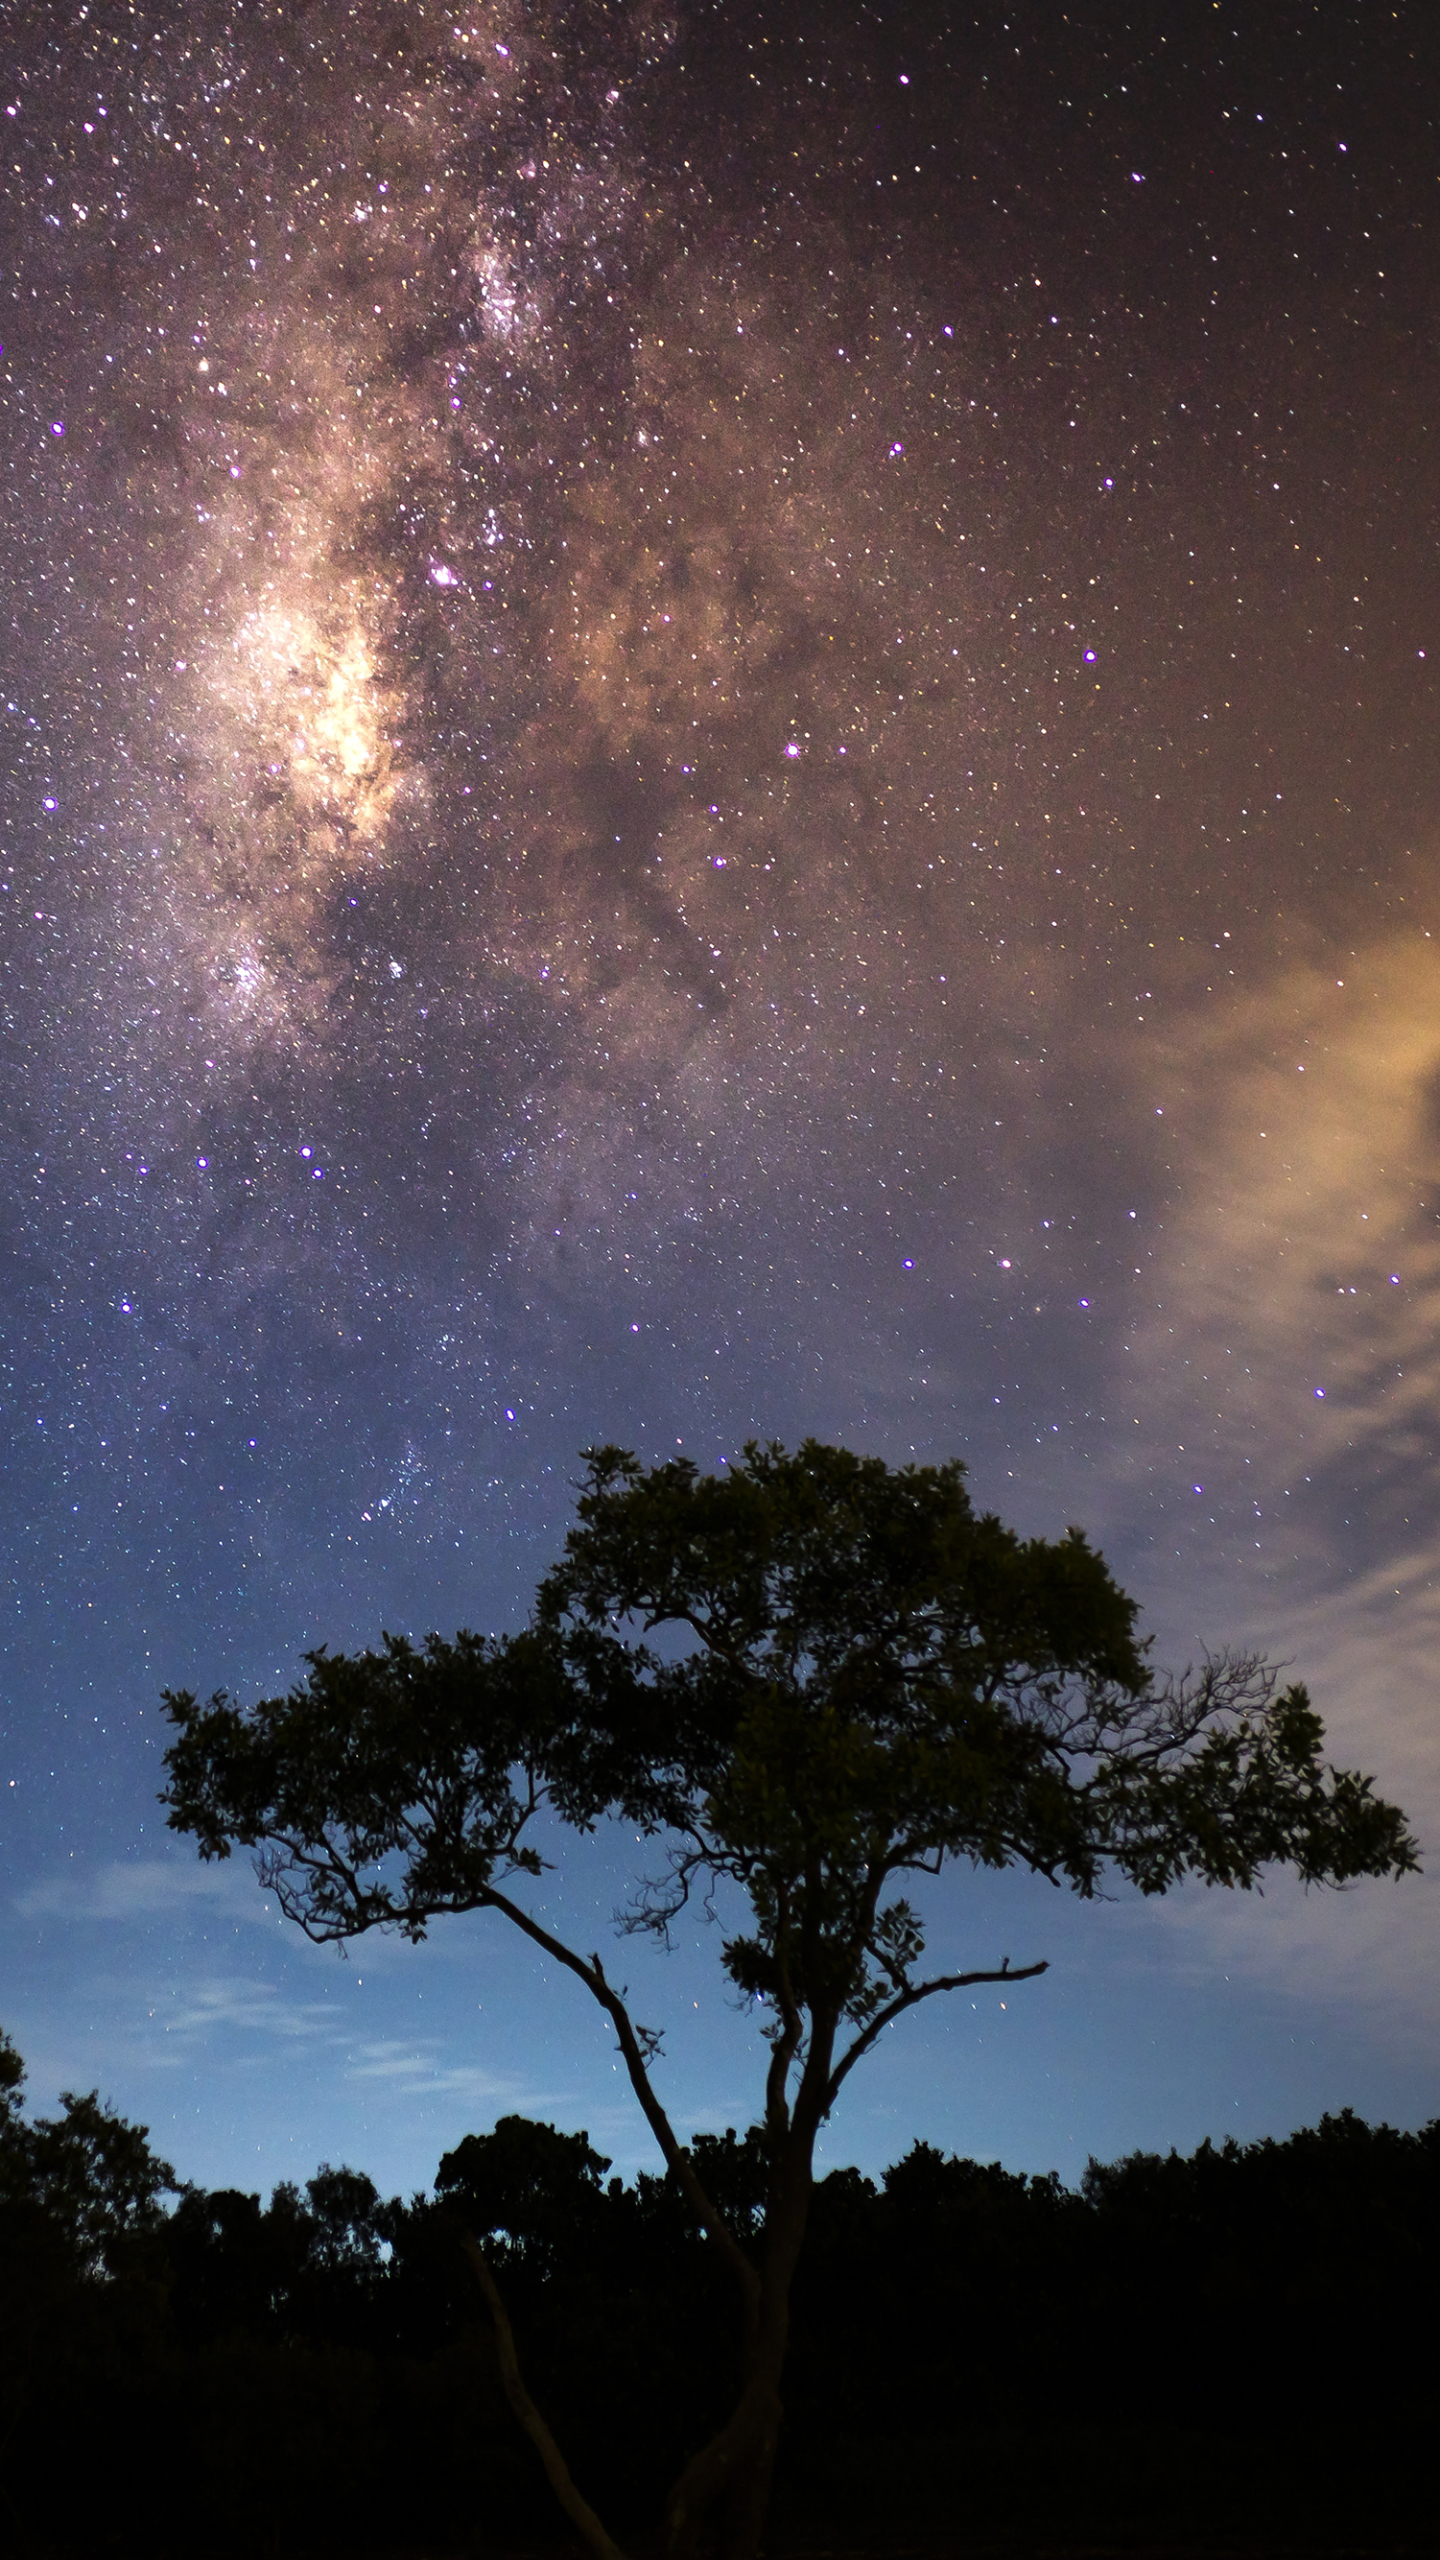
[(244, 2021), (415, 2070), (1286, 1377), (1295, 1325), (220, 2005), (1353, 1950), (149, 1888)]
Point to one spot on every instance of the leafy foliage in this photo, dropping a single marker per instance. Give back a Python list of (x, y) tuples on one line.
[(877, 1680), (882, 1680), (527, 2185), (89, 2178)]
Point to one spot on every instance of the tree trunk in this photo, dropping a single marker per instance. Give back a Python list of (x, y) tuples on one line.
[(582, 2515), (717, 2509), (745, 2503)]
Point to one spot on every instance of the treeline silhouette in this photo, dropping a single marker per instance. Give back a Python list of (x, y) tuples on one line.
[(1240, 2343)]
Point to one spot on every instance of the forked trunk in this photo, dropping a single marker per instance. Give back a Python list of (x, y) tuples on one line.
[(718, 2506), (717, 2509)]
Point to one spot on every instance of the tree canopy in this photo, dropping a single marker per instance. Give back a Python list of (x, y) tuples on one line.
[(86, 2175), (812, 1682)]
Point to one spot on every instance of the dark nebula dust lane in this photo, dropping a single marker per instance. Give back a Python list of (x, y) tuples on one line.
[(713, 720)]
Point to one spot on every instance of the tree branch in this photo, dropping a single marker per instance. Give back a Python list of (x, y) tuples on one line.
[(677, 2158), (581, 2514), (792, 2027), (907, 2000), (713, 1642)]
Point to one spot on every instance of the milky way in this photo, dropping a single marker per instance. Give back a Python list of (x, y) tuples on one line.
[(695, 704)]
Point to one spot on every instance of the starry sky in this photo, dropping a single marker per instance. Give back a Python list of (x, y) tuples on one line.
[(715, 721)]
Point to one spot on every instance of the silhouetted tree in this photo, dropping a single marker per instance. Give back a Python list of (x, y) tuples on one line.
[(82, 2227), (530, 2187), (90, 2175), (859, 1680)]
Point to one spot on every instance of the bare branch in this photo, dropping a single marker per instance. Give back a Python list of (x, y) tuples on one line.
[(713, 1641), (579, 2510), (908, 1998), (677, 2158)]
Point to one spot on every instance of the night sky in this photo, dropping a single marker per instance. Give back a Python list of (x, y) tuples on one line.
[(716, 721)]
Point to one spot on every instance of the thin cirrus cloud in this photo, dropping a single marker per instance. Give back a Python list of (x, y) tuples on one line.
[(1354, 1951), (413, 2070), (223, 2005), (218, 2009), (1287, 1370), (1294, 1336), (236, 2021), (143, 1889)]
